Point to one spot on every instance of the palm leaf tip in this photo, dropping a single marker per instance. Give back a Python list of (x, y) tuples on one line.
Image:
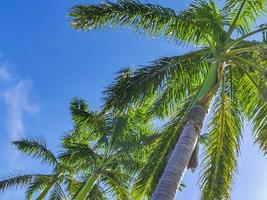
[(34, 186), (15, 181), (255, 109), (78, 103), (37, 149)]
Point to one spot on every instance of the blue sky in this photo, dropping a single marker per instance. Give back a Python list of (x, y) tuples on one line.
[(44, 64)]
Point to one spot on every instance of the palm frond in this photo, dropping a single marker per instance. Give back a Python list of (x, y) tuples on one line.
[(220, 155), (178, 89), (255, 109), (84, 118), (152, 19), (72, 185), (116, 183), (243, 13), (149, 81), (119, 130), (79, 155), (208, 15), (36, 185), (37, 149), (16, 181), (97, 193), (247, 35), (57, 193)]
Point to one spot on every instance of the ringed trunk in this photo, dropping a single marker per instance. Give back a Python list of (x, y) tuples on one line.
[(180, 157), (184, 154)]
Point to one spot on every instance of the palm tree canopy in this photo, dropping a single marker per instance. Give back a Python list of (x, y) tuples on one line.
[(173, 84), (107, 145)]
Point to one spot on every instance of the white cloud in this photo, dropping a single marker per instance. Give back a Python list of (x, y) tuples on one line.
[(4, 74), (18, 103), (18, 98)]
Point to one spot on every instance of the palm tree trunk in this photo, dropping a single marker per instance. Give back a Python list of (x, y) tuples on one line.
[(183, 151), (89, 184), (180, 157)]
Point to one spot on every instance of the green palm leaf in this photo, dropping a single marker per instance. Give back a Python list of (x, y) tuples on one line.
[(35, 186), (72, 185), (243, 13), (152, 19), (158, 78), (97, 193), (57, 193), (255, 109), (220, 154), (85, 118), (37, 149), (79, 155), (116, 183), (16, 181)]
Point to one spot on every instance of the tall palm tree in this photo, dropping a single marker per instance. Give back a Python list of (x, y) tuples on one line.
[(215, 77), (106, 148), (43, 183)]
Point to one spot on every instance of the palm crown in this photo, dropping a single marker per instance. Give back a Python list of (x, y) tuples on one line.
[(106, 147), (225, 65), (43, 183)]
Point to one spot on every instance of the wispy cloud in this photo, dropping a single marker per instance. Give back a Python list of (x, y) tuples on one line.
[(18, 103), (4, 74), (18, 98)]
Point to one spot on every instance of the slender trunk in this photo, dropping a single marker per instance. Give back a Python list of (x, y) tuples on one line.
[(188, 141), (44, 192), (180, 157), (89, 184)]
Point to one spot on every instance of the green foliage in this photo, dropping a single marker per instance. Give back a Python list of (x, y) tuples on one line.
[(116, 183), (119, 144), (255, 109), (57, 193), (243, 13), (221, 151), (112, 148), (171, 80), (108, 145), (43, 183), (34, 186), (17, 181), (169, 84), (151, 19), (36, 149)]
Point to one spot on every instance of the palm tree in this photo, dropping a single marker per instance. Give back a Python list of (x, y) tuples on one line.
[(106, 149), (215, 77), (98, 159), (43, 183)]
